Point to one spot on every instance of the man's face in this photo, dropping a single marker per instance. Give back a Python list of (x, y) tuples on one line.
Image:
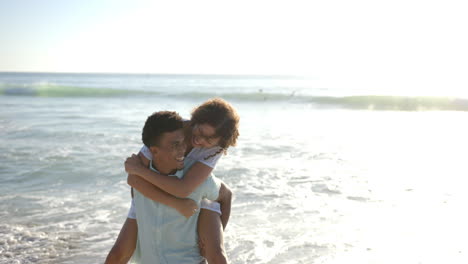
[(169, 154)]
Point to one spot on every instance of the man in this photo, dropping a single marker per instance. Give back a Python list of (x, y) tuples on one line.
[(164, 235)]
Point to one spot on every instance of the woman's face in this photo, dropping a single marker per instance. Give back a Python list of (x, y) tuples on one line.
[(204, 136)]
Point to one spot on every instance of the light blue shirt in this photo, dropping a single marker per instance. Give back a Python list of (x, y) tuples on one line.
[(166, 236)]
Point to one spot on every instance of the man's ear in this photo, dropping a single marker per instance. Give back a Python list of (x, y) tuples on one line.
[(154, 150)]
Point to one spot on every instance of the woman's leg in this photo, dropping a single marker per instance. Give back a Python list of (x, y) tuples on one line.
[(123, 248), (210, 234)]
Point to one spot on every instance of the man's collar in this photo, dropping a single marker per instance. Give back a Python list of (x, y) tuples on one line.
[(176, 173)]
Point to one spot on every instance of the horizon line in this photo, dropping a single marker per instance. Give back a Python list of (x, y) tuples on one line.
[(169, 74)]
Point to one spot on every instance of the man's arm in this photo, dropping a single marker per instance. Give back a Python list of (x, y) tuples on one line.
[(224, 199), (187, 207)]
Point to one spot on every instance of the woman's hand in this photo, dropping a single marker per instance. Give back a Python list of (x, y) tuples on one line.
[(133, 165), (187, 207)]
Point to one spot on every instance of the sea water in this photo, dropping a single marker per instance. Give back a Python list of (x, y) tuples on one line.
[(318, 175)]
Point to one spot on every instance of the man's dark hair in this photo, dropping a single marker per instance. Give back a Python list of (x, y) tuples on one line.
[(159, 123)]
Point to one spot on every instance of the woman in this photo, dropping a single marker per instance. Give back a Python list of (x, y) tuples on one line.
[(212, 129)]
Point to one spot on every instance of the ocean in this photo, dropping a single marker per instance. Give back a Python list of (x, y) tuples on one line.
[(319, 175)]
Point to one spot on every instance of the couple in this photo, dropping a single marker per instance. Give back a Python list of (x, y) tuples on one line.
[(176, 161)]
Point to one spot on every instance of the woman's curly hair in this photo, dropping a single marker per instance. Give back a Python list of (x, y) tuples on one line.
[(222, 116)]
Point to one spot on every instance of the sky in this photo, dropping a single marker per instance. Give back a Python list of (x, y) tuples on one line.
[(418, 44)]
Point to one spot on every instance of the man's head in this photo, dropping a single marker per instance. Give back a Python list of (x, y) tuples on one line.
[(164, 136)]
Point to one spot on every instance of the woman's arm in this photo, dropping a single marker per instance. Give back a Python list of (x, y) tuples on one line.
[(187, 207), (172, 185)]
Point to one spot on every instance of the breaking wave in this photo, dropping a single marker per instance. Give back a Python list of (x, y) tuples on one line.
[(364, 102)]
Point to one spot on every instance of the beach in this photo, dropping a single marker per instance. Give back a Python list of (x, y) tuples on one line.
[(319, 175)]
